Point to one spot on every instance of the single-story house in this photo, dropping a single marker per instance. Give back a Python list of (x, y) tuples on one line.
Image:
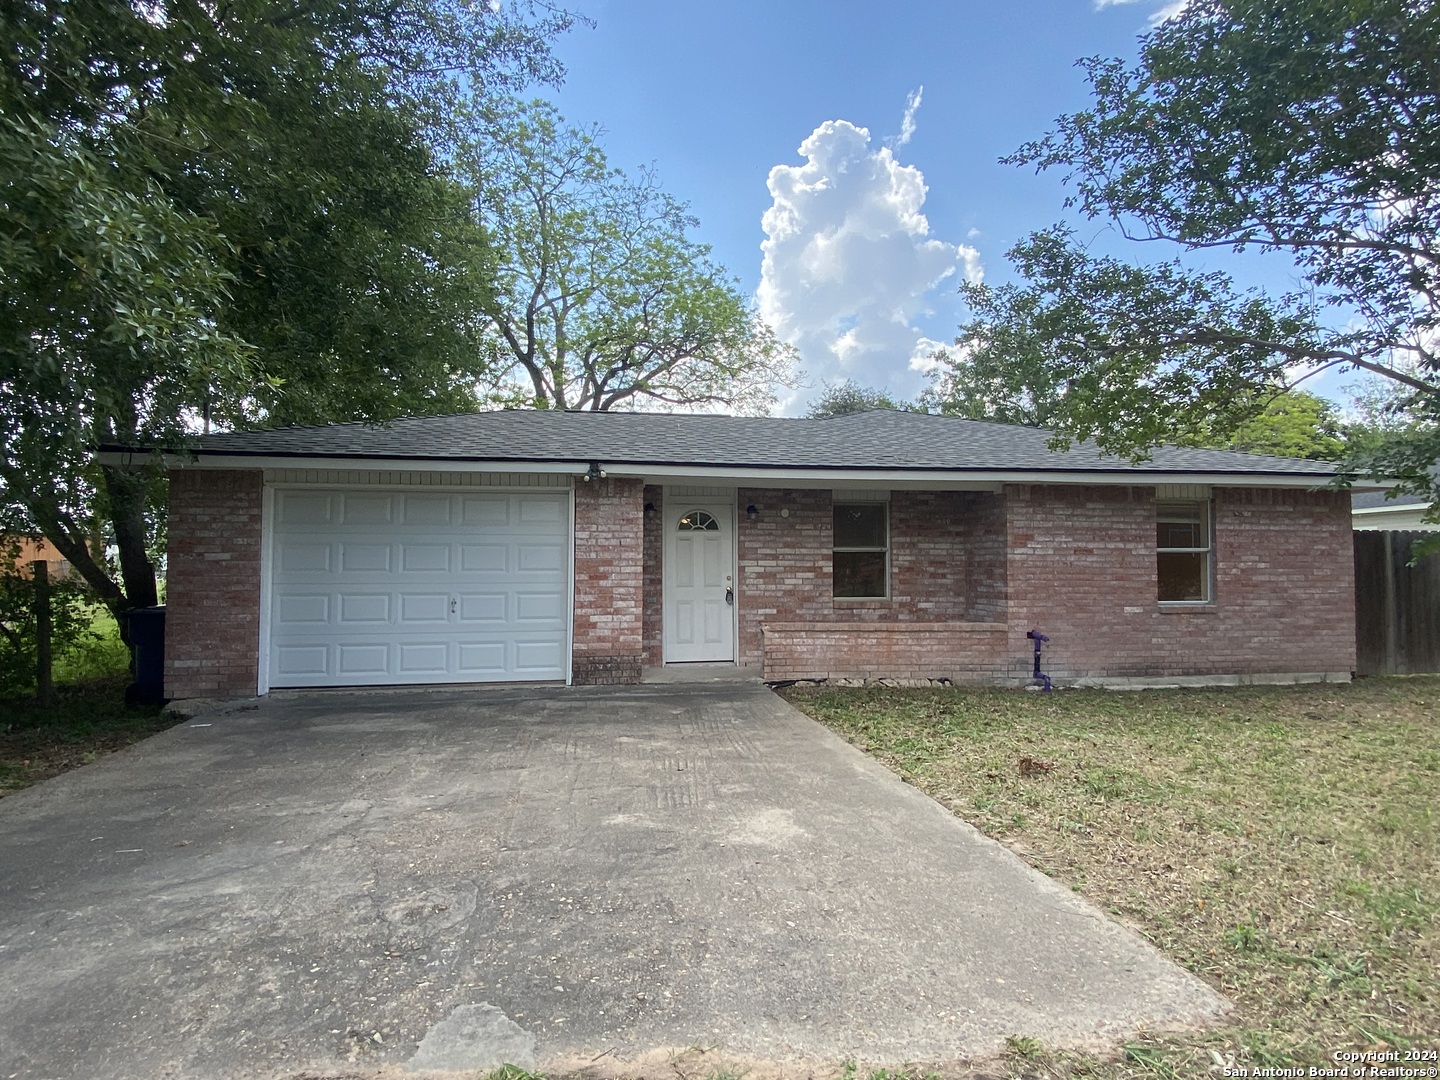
[(592, 547)]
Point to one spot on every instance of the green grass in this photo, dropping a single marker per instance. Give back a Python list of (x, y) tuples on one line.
[(1279, 842), (89, 718)]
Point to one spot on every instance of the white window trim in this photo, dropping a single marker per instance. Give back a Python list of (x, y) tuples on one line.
[(1207, 507), (836, 503)]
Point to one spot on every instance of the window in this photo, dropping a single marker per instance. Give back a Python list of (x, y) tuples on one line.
[(698, 521), (1182, 551), (862, 550)]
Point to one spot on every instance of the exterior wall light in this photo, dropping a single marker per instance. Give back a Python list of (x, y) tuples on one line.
[(594, 472), (752, 512)]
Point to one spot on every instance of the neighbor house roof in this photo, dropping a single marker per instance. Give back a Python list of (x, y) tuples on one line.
[(868, 441)]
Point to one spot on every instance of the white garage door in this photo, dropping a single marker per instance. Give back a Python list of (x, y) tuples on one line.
[(378, 587)]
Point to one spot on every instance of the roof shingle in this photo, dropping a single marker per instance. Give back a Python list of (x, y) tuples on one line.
[(875, 440)]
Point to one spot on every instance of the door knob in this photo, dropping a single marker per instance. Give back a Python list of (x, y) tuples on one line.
[(729, 595)]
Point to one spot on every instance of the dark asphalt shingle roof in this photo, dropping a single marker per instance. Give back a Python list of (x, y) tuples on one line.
[(869, 440)]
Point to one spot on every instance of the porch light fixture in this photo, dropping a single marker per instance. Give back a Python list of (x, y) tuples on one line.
[(752, 512), (594, 472)]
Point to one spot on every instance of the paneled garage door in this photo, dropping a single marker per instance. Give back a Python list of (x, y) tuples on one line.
[(377, 587)]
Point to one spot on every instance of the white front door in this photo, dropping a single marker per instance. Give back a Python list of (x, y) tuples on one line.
[(699, 580)]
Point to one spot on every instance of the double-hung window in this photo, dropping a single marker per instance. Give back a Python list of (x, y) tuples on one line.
[(1183, 551), (862, 550)]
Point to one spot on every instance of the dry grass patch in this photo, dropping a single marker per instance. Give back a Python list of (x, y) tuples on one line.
[(1280, 842)]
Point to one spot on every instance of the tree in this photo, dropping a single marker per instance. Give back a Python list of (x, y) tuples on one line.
[(848, 396), (1297, 424), (1305, 129), (603, 300), (233, 213)]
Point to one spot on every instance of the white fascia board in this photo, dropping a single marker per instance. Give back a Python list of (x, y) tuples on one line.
[(345, 464), (974, 479), (751, 476)]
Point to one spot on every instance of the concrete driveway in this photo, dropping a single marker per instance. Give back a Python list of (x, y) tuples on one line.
[(446, 880)]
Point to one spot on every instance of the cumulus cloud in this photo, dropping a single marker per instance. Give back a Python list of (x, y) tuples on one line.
[(850, 264)]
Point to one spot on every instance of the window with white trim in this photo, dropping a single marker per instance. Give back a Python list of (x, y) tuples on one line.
[(1183, 551), (861, 551)]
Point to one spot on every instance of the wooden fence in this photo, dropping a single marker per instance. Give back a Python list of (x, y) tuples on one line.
[(1397, 606)]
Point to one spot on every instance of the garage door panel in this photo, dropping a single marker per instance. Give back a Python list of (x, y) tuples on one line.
[(302, 660), (484, 659), (424, 607), (371, 588), (361, 558), (485, 558), (484, 608), (303, 610), (424, 557), (535, 657), (298, 557), (369, 658), (540, 511), (539, 606), (541, 557), (427, 509), (486, 511), (424, 658), (367, 509), (364, 608), (306, 508)]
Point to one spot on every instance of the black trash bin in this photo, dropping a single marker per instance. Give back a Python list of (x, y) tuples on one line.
[(146, 627)]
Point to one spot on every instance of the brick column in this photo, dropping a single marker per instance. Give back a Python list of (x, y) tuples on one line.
[(212, 583), (609, 582)]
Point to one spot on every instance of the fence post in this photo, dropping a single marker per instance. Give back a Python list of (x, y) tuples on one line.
[(44, 664)]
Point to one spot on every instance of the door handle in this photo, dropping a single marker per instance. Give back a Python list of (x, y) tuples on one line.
[(453, 602), (729, 595)]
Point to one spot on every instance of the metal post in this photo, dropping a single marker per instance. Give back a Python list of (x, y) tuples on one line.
[(44, 665)]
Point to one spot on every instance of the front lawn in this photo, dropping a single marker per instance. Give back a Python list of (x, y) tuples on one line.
[(89, 718), (1278, 842)]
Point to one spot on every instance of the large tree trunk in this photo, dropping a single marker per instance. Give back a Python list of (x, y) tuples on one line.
[(125, 490)]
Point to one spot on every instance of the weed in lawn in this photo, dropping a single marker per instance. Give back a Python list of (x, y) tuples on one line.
[(1024, 1046), (1278, 841)]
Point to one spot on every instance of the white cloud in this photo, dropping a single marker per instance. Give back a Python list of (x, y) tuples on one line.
[(907, 122), (924, 358), (850, 264), (1167, 12)]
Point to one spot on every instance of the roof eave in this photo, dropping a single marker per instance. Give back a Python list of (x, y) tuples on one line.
[(739, 473)]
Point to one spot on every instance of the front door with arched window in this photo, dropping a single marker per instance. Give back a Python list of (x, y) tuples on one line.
[(699, 580)]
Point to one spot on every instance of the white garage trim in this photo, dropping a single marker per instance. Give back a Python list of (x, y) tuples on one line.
[(477, 633)]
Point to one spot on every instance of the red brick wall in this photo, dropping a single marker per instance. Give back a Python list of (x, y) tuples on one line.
[(961, 652), (784, 562), (654, 555), (947, 568), (212, 587), (1082, 570), (609, 582)]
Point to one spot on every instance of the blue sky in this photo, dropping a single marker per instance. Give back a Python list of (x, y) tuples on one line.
[(717, 95)]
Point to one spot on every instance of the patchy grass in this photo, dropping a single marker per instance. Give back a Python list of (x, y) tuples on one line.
[(88, 721), (1279, 842), (99, 654)]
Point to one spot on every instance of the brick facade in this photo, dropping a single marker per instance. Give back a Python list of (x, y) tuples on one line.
[(947, 577), (212, 583), (1082, 570), (653, 630), (969, 574), (961, 652), (609, 582)]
